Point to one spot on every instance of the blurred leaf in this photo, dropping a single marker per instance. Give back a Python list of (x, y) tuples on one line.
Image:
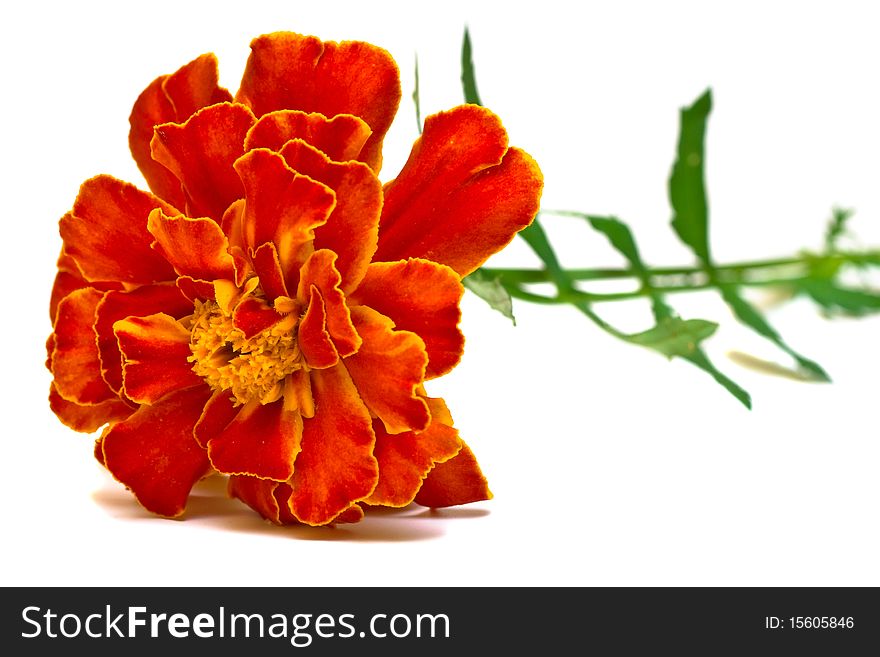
[(468, 78), (674, 336), (701, 360), (490, 290), (415, 97), (687, 191), (836, 227), (835, 298), (620, 236), (749, 315)]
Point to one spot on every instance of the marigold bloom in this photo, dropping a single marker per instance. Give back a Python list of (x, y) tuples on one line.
[(271, 311)]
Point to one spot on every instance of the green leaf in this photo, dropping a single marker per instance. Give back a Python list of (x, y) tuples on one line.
[(749, 315), (621, 238), (674, 336), (836, 298), (536, 238), (468, 78), (836, 227), (701, 360), (687, 190), (490, 290), (415, 97)]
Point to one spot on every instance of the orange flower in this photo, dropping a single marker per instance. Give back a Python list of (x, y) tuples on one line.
[(271, 311)]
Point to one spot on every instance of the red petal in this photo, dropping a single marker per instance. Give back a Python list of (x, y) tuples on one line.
[(119, 304), (154, 453), (258, 494), (219, 412), (89, 418), (75, 360), (313, 338), (456, 481), (201, 151), (422, 297), (320, 272), (291, 71), (69, 279), (282, 207), (352, 230), (462, 195), (388, 370), (262, 440), (253, 315), (106, 233), (268, 268), (406, 458), (341, 137), (154, 351), (194, 247), (171, 98), (336, 466), (195, 288)]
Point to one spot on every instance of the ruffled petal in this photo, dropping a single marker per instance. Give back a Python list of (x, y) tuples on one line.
[(253, 315), (462, 195), (106, 233), (313, 339), (194, 247), (456, 481), (352, 229), (341, 138), (262, 440), (154, 351), (422, 297), (336, 466), (259, 494), (268, 268), (75, 360), (282, 207), (292, 71), (388, 370), (69, 279), (219, 411), (320, 272), (201, 151), (406, 458), (195, 288), (119, 304), (171, 98), (87, 418), (154, 453)]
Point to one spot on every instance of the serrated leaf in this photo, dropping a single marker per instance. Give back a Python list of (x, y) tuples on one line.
[(836, 298), (687, 188), (416, 98), (749, 315), (490, 290), (468, 78)]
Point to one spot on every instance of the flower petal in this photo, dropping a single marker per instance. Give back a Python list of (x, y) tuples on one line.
[(456, 481), (388, 370), (292, 71), (171, 98), (462, 195), (195, 288), (352, 229), (219, 411), (406, 458), (87, 418), (75, 360), (282, 207), (194, 247), (154, 453), (253, 315), (119, 304), (313, 338), (154, 351), (201, 151), (109, 214), (69, 279), (268, 268), (419, 296), (320, 272), (340, 138), (259, 494), (336, 466), (262, 440)]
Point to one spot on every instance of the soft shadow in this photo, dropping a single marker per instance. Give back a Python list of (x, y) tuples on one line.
[(450, 513), (769, 367), (209, 506)]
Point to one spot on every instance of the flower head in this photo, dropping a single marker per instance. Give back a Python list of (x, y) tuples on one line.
[(271, 311)]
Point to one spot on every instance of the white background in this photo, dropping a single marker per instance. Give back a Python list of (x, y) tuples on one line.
[(610, 466)]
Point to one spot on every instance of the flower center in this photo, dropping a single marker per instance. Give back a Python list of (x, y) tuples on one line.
[(250, 368)]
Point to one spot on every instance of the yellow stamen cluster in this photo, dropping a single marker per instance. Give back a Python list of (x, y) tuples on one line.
[(249, 368)]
